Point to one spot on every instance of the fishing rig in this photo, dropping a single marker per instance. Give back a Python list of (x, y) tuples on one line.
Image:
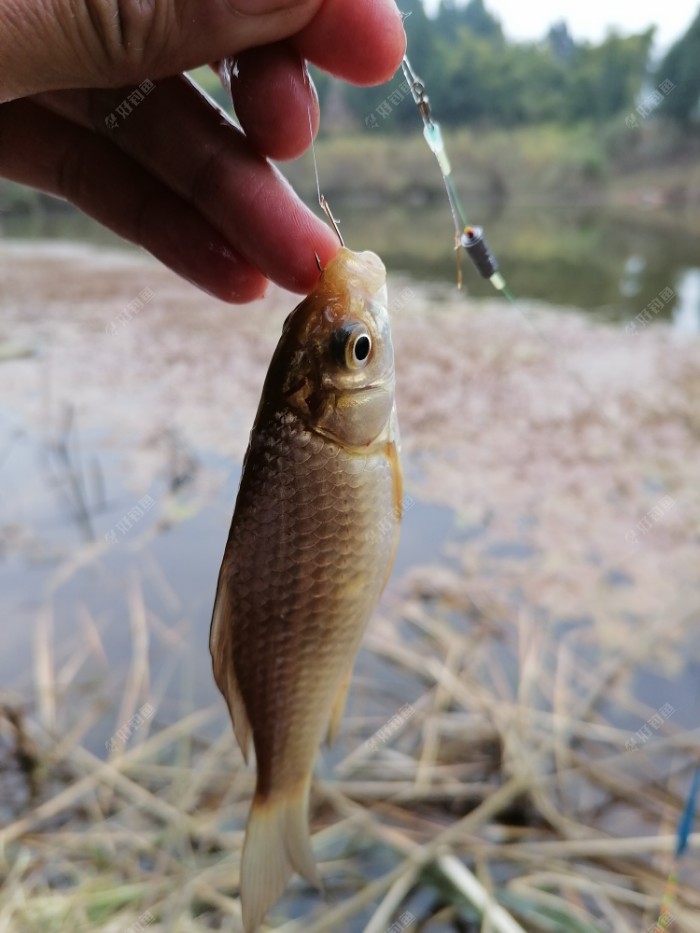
[(468, 236)]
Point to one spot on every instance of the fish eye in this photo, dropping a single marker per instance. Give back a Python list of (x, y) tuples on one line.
[(352, 345), (361, 348)]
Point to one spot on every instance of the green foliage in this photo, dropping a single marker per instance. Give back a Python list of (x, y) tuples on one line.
[(604, 80), (474, 16), (474, 76), (546, 162), (508, 84), (682, 66), (560, 41)]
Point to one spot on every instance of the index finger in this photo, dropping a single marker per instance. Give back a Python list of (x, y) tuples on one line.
[(360, 42)]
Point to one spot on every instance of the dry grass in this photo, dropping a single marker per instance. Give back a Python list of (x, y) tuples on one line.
[(507, 796), (480, 799)]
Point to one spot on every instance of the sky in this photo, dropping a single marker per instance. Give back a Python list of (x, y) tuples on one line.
[(590, 19)]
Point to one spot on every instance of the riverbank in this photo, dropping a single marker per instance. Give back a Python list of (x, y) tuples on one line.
[(648, 166), (539, 638)]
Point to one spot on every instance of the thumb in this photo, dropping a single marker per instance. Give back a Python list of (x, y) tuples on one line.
[(55, 44)]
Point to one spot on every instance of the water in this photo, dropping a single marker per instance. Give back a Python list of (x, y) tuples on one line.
[(608, 263), (169, 557)]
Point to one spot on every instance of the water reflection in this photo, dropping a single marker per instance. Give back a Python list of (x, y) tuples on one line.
[(686, 311), (608, 262), (48, 559), (630, 284)]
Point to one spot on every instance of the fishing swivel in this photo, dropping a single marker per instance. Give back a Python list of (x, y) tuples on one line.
[(421, 99)]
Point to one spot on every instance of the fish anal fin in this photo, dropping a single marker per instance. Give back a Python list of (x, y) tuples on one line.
[(276, 844), (338, 708), (221, 648)]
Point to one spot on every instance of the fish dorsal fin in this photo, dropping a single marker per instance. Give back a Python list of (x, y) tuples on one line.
[(221, 648)]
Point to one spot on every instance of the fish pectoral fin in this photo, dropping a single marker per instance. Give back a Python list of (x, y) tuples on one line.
[(392, 453), (338, 708), (397, 487), (276, 844), (221, 648)]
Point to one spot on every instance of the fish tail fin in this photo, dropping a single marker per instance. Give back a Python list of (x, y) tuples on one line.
[(276, 844)]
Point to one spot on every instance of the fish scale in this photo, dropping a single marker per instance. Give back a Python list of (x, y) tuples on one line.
[(278, 570)]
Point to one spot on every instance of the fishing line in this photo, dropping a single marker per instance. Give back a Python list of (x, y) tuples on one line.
[(313, 147), (324, 205)]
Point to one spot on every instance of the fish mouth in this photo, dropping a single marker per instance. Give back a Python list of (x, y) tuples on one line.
[(364, 272), (379, 384), (385, 383)]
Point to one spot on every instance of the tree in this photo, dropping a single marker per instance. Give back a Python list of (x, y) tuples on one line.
[(604, 80), (473, 75), (474, 16), (560, 42), (681, 67)]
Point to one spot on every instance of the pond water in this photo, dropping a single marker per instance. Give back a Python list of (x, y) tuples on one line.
[(608, 263), (52, 506)]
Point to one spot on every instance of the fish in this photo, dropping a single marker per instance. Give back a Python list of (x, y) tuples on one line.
[(311, 545)]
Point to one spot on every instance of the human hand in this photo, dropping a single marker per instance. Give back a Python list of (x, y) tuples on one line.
[(171, 174)]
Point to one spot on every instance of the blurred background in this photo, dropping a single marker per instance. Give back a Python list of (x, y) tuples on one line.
[(522, 739)]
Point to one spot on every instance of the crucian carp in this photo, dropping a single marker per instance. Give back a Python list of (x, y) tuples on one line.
[(304, 565)]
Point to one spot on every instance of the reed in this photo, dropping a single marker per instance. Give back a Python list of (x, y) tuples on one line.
[(479, 806)]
